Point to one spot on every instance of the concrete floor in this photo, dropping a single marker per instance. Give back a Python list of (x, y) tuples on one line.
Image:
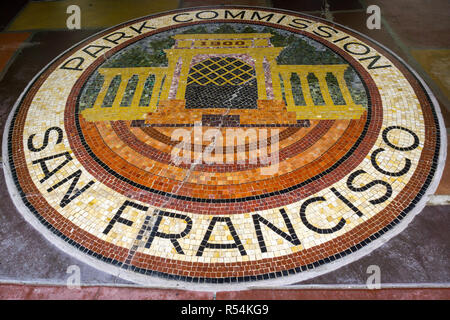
[(418, 257)]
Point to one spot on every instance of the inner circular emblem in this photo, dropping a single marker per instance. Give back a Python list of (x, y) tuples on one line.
[(223, 145)]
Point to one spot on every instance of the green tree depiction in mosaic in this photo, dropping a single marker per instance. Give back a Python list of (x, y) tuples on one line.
[(129, 91), (133, 57), (152, 55), (197, 30), (298, 51), (137, 55), (111, 93), (147, 93), (225, 28), (91, 91)]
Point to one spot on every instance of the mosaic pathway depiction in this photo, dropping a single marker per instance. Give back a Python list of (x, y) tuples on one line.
[(223, 146)]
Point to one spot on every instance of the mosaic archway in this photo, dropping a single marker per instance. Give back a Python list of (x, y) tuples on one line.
[(223, 146), (215, 82)]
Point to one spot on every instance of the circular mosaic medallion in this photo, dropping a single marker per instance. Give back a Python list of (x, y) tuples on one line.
[(223, 146)]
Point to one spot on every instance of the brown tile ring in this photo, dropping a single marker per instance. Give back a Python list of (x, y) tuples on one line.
[(235, 205), (389, 217)]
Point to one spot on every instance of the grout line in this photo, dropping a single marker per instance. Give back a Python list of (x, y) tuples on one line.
[(425, 285)]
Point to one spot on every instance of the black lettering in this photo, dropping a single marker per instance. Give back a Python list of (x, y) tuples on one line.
[(116, 36), (71, 193), (44, 167), (413, 146), (363, 188), (256, 15), (171, 236), (227, 12), (405, 169), (215, 15), (305, 221), (340, 39), (139, 30), (347, 202), (374, 60), (68, 65), (299, 25), (291, 237), (348, 44), (206, 244), (94, 53), (117, 217), (325, 33), (31, 146), (281, 19), (175, 17)]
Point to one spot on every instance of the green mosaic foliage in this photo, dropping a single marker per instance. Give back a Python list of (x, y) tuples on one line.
[(297, 92), (91, 91), (129, 91), (225, 28), (137, 56), (335, 92), (111, 93), (194, 30), (132, 57), (298, 51), (147, 92)]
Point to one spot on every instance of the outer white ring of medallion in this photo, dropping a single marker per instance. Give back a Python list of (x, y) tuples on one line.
[(150, 281)]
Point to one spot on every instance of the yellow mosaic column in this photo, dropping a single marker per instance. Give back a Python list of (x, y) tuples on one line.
[(107, 78), (303, 76), (286, 76), (325, 91), (339, 74), (134, 111)]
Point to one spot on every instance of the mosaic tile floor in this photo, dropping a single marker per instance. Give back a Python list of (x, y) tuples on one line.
[(223, 146)]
